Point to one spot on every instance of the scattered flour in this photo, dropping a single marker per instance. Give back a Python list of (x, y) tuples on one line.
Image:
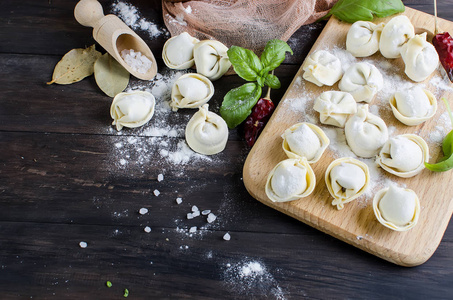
[(130, 15), (251, 278), (150, 141)]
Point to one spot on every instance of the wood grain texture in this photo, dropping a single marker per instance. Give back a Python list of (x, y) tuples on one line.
[(356, 223)]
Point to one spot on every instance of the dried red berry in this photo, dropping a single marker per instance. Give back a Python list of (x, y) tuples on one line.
[(256, 121), (443, 43)]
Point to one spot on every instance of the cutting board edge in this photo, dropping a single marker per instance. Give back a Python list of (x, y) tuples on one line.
[(388, 254)]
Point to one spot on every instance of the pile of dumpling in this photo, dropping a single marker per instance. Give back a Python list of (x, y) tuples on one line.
[(206, 132), (366, 134)]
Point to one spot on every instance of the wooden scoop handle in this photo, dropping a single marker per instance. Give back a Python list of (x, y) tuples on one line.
[(88, 12)]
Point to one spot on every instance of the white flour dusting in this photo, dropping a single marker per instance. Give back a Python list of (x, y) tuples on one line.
[(148, 142), (252, 278), (130, 15)]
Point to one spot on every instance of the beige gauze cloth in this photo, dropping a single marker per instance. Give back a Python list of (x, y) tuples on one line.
[(246, 23)]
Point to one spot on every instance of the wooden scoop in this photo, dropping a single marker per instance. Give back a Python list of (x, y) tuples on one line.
[(113, 35)]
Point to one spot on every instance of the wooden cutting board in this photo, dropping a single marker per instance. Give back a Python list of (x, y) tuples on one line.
[(356, 223)]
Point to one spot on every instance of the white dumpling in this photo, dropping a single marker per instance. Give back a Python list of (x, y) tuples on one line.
[(413, 106), (363, 37), (191, 91), (289, 180), (346, 179), (365, 133), (420, 58), (132, 109), (394, 35), (396, 208), (404, 155), (305, 140), (334, 107), (178, 51), (206, 132), (362, 80), (211, 59), (322, 68)]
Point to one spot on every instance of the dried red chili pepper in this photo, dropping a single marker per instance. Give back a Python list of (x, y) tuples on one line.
[(256, 121), (443, 43)]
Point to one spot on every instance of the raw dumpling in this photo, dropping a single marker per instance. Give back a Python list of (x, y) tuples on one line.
[(420, 58), (206, 132), (211, 59), (289, 180), (322, 68), (365, 133), (132, 109), (178, 51), (413, 106), (404, 155), (305, 140), (362, 80), (334, 107), (394, 35), (191, 91), (363, 38), (396, 208), (346, 179)]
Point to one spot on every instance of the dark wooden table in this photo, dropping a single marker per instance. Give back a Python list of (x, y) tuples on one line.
[(67, 176)]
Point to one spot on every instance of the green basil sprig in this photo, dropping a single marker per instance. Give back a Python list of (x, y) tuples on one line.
[(364, 10), (238, 103), (446, 163)]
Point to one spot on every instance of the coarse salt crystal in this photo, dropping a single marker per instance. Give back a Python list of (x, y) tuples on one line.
[(143, 211), (227, 237), (147, 229), (179, 200), (156, 193), (189, 216), (196, 213), (193, 229), (211, 218), (83, 244), (160, 177), (195, 208), (206, 212), (138, 62)]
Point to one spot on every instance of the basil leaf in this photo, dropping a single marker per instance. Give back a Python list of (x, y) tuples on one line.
[(446, 163), (442, 166), (238, 103), (272, 81), (447, 144), (274, 54), (355, 10), (260, 80), (245, 63)]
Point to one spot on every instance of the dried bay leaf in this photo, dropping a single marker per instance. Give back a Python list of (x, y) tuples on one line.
[(75, 65), (111, 77)]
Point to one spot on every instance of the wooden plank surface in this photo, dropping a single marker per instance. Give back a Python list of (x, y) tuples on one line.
[(62, 181), (356, 223)]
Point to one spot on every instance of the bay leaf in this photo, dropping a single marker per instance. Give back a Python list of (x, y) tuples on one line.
[(75, 65), (111, 77)]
